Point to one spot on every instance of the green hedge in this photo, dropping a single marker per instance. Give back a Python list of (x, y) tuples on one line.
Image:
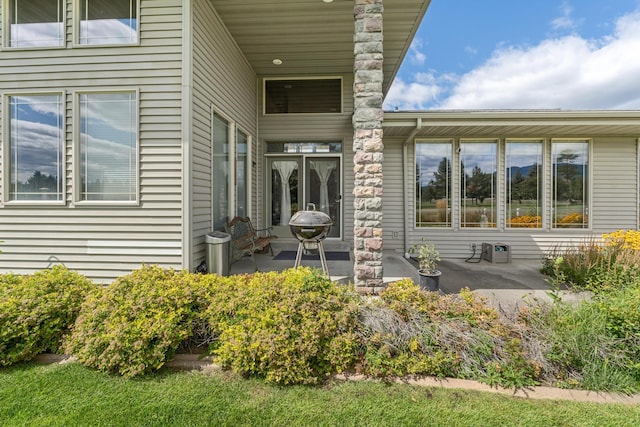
[(36, 311)]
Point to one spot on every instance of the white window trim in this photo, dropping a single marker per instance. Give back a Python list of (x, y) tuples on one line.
[(264, 94), (499, 219), (232, 141), (6, 161), (543, 183), (453, 198), (77, 160), (589, 191), (77, 19), (6, 30)]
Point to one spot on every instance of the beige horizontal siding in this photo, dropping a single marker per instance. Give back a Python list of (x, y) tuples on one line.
[(106, 241), (221, 78)]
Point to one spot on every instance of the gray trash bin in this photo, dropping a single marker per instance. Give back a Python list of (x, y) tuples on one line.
[(218, 252)]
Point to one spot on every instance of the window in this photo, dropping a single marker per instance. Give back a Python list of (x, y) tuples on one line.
[(570, 175), (433, 183), (478, 188), (230, 160), (242, 143), (36, 148), (303, 96), (108, 22), (108, 146), (524, 183), (36, 23)]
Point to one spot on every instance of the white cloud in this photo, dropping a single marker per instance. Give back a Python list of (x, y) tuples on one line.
[(564, 22), (414, 95), (568, 72), (416, 55)]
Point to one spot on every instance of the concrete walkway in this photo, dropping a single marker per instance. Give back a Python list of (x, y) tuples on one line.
[(503, 284)]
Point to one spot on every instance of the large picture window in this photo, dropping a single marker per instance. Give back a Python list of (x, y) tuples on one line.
[(478, 189), (36, 23), (108, 22), (108, 146), (433, 183), (570, 175), (230, 148), (523, 173), (36, 148)]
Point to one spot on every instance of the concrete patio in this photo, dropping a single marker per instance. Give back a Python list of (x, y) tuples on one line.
[(501, 283)]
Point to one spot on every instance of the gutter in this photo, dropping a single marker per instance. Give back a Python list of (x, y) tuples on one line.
[(405, 144)]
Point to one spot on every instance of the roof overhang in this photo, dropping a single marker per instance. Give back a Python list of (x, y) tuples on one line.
[(511, 124), (313, 37)]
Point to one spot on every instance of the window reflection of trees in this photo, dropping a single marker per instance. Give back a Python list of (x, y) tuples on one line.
[(36, 147), (433, 184), (478, 173), (570, 177), (524, 184)]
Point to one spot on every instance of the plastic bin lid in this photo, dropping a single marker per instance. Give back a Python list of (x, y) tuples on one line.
[(218, 237)]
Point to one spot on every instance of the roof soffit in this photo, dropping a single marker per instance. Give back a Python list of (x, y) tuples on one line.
[(312, 37)]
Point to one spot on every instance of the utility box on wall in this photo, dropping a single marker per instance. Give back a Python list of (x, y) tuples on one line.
[(496, 252)]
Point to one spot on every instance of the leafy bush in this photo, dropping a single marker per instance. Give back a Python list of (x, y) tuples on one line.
[(136, 324), (414, 332), (36, 311), (290, 327)]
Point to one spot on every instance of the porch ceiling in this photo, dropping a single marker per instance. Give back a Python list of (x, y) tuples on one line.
[(512, 124), (312, 37)]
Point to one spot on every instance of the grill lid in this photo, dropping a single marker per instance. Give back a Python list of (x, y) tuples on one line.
[(310, 224), (310, 218)]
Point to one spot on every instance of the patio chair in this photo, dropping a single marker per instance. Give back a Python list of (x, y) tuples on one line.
[(247, 240)]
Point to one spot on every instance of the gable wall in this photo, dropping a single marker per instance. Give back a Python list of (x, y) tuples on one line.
[(105, 242)]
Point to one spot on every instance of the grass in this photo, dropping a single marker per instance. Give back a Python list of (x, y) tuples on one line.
[(71, 395)]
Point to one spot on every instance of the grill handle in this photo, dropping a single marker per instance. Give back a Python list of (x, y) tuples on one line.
[(311, 206)]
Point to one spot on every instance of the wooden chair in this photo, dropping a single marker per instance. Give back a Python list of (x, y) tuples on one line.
[(246, 240)]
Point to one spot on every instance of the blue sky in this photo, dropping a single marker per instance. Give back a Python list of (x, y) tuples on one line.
[(515, 54)]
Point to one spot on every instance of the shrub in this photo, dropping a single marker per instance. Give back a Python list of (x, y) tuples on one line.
[(37, 311), (290, 327), (415, 332), (136, 324)]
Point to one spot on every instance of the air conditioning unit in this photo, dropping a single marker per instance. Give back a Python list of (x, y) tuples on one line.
[(496, 252)]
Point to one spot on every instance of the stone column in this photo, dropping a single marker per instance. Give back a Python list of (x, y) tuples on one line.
[(367, 146)]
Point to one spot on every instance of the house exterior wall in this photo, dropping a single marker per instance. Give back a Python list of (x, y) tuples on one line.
[(106, 241), (312, 127), (222, 79), (614, 204)]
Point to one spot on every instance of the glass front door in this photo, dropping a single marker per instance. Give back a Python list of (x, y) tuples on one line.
[(295, 181)]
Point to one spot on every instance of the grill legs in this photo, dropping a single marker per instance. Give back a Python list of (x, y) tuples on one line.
[(323, 258)]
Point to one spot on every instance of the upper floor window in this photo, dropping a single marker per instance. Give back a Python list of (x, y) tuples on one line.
[(317, 95), (35, 158), (108, 22), (433, 183), (108, 146), (570, 176), (36, 23), (524, 183), (478, 190)]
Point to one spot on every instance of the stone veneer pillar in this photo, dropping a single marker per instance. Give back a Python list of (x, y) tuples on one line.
[(367, 146)]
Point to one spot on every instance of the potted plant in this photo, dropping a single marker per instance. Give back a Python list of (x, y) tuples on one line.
[(427, 256)]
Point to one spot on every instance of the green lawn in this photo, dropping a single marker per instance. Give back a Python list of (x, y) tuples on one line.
[(71, 395)]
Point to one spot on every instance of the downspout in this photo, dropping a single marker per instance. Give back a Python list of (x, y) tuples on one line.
[(186, 105), (405, 202)]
